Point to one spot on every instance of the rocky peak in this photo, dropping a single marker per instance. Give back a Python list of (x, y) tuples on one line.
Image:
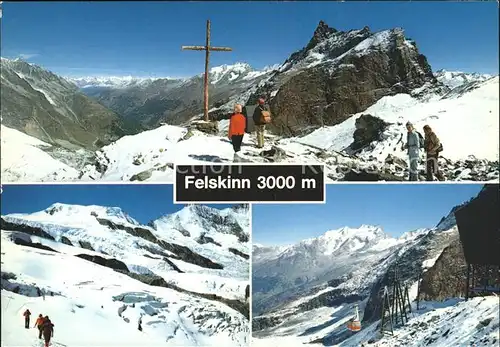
[(322, 32)]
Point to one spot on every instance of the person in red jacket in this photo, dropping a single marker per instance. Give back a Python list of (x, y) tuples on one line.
[(39, 325), (237, 125), (27, 315)]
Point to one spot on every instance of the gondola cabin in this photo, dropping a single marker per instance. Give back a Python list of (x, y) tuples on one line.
[(354, 323)]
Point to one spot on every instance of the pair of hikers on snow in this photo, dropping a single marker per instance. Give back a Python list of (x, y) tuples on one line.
[(432, 146), (44, 325), (238, 124)]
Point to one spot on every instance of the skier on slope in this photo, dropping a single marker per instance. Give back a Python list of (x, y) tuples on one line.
[(48, 330), (27, 315), (39, 325)]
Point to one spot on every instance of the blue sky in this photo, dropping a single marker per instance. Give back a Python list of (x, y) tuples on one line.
[(142, 202), (144, 38), (396, 208)]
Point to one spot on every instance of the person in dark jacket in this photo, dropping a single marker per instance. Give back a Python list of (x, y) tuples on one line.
[(39, 325), (247, 292), (432, 147), (259, 124), (27, 315), (237, 125), (48, 330)]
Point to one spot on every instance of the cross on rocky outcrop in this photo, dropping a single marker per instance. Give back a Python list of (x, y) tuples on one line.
[(207, 48)]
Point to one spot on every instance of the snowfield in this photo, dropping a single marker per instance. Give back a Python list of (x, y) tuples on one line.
[(24, 160), (85, 314), (194, 309), (466, 125), (466, 120)]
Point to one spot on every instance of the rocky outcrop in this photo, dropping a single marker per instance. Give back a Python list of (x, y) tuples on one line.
[(370, 176), (23, 228), (181, 252), (111, 263), (211, 128), (66, 241), (261, 323), (446, 279), (169, 262), (335, 297), (203, 239), (86, 245), (368, 129), (346, 81), (241, 254), (37, 245), (189, 256)]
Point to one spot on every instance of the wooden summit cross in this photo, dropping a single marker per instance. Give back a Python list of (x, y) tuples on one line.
[(207, 48)]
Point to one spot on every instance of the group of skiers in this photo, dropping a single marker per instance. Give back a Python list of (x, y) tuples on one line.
[(238, 125), (44, 325), (432, 146)]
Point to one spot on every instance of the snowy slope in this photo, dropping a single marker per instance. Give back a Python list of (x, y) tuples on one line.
[(451, 323), (467, 125), (23, 159), (197, 251), (90, 224), (107, 304), (44, 105)]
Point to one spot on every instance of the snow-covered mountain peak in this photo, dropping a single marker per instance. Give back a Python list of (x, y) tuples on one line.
[(448, 221), (82, 212), (226, 226), (413, 234), (118, 82), (364, 231), (229, 72), (454, 79), (341, 241)]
